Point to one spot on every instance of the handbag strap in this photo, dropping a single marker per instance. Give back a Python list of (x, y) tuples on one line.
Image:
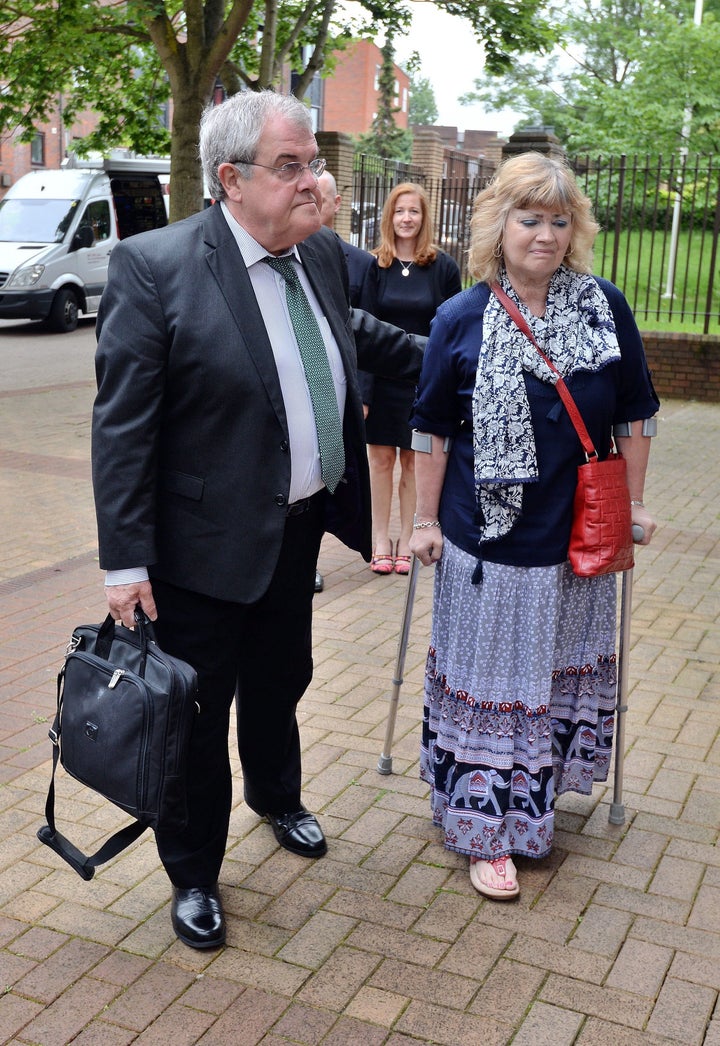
[(516, 316)]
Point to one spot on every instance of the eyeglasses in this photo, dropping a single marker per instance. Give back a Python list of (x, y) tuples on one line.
[(289, 172)]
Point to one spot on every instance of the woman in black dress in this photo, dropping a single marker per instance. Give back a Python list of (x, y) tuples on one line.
[(409, 280)]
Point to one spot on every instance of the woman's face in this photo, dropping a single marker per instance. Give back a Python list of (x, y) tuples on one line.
[(535, 243), (407, 220)]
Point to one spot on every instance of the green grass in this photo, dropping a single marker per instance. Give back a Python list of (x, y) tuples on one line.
[(642, 276)]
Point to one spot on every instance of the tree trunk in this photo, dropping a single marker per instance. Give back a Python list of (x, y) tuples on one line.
[(186, 182)]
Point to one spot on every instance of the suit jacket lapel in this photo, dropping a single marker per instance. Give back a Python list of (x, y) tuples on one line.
[(227, 266)]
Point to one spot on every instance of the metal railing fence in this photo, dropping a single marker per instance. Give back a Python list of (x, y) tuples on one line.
[(659, 219)]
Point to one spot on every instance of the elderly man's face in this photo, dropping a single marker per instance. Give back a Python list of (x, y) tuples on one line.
[(276, 213), (329, 200)]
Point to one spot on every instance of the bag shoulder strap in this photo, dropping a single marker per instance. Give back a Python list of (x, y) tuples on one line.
[(516, 316), (83, 864)]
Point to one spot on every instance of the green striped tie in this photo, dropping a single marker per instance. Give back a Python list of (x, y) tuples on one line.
[(317, 371)]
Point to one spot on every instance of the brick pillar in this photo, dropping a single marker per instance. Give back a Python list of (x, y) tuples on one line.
[(534, 139), (429, 154), (339, 151)]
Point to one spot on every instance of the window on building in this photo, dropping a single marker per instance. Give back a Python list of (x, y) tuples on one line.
[(376, 85), (313, 96), (405, 100), (37, 150)]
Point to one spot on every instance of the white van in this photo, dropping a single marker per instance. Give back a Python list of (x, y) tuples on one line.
[(57, 229)]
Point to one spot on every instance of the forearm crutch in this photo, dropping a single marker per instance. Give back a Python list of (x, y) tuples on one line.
[(617, 809), (385, 762)]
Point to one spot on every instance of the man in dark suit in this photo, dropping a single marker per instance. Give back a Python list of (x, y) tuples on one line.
[(358, 260), (207, 470), (358, 263)]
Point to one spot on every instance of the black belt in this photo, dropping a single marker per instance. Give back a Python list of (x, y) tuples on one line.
[(298, 507)]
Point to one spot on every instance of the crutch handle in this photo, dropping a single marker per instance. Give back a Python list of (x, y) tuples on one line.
[(638, 533)]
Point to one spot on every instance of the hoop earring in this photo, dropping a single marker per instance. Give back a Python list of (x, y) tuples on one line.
[(498, 250), (570, 251)]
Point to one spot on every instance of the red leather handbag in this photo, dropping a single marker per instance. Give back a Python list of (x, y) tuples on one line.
[(601, 536), (601, 540)]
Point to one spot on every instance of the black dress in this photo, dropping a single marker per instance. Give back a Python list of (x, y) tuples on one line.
[(409, 302)]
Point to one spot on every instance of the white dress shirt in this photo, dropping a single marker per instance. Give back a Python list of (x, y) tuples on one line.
[(269, 288)]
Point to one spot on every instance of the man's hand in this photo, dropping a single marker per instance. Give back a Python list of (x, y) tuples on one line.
[(122, 600)]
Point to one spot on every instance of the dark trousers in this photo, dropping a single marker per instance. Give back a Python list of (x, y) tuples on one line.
[(261, 654)]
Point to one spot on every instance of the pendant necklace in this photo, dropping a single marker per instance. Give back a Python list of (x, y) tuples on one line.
[(405, 266)]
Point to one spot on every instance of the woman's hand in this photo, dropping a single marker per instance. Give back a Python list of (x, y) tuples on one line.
[(642, 518), (426, 544)]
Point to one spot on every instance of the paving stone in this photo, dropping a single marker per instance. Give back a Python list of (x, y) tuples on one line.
[(677, 878), (616, 937), (548, 1026), (340, 978), (640, 968), (507, 992), (599, 1033), (610, 1004), (246, 1021), (303, 1024), (317, 939), (64, 967), (682, 1011), (601, 930)]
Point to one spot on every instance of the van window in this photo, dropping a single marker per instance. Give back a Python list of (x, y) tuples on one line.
[(97, 219), (138, 204), (35, 221)]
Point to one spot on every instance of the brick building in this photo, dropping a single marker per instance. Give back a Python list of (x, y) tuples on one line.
[(350, 93), (481, 144)]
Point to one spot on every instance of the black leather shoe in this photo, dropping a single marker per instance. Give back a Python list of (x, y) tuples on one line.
[(197, 916), (319, 581), (299, 832)]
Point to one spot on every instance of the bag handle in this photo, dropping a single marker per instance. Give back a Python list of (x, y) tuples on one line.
[(514, 313), (143, 629)]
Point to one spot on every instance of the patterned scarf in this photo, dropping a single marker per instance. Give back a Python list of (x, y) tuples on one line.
[(576, 333)]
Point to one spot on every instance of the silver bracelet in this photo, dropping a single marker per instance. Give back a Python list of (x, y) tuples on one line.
[(423, 526), (640, 503)]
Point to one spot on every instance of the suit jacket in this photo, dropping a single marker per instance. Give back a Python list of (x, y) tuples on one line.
[(359, 263), (190, 450)]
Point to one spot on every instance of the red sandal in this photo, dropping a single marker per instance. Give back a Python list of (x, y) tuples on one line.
[(382, 564), (402, 564)]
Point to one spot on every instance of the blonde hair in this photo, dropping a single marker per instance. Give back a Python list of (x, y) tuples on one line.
[(425, 250), (529, 181)]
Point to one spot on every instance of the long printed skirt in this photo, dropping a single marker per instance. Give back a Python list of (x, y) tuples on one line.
[(519, 700)]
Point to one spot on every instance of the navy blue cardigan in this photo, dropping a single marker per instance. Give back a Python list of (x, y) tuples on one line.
[(621, 391)]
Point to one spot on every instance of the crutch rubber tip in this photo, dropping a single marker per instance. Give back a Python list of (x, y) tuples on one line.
[(617, 813), (384, 764)]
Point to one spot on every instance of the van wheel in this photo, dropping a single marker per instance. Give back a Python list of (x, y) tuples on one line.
[(63, 316)]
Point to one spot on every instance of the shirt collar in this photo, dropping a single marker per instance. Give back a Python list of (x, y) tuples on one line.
[(250, 249)]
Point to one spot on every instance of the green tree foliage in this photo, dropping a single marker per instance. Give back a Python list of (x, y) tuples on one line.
[(423, 107), (626, 78), (123, 58), (385, 138)]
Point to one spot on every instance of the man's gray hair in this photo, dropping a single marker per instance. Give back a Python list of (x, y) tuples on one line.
[(231, 132)]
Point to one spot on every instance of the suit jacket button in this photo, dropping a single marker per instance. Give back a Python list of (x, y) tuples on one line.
[(280, 500), (284, 446)]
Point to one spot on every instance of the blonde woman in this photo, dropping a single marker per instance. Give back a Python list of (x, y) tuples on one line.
[(519, 692)]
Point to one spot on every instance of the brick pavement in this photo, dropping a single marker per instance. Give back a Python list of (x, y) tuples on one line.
[(616, 937)]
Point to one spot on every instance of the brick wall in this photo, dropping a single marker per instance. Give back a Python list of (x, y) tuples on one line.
[(684, 366), (350, 96)]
